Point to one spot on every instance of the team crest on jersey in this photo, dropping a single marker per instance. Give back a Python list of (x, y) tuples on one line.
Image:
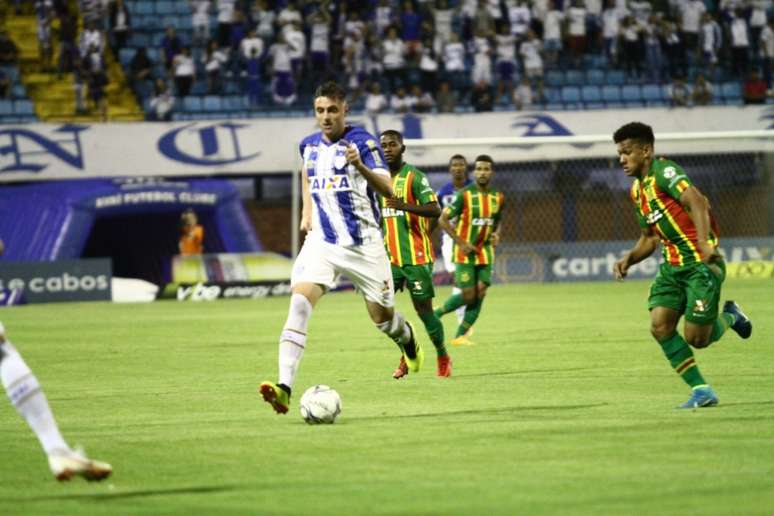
[(465, 276), (653, 217), (670, 172), (336, 182)]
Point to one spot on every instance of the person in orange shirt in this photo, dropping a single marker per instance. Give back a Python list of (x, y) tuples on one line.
[(191, 234)]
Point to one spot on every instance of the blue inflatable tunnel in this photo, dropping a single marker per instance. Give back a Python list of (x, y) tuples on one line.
[(136, 223)]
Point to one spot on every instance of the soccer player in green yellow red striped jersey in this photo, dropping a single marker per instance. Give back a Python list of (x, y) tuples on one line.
[(406, 221), (477, 208), (670, 209)]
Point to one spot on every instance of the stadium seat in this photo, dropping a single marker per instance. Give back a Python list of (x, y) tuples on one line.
[(143, 7), (235, 103), (6, 107), (183, 8), (125, 55), (630, 94), (611, 94), (592, 96), (554, 78), (732, 92), (165, 7), (573, 78), (199, 87), (571, 97), (595, 77), (212, 103), (18, 91), (23, 107), (616, 77), (192, 103), (653, 95)]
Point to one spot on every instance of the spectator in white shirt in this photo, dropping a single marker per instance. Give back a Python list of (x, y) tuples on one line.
[(740, 43), (552, 32), (530, 51), (505, 52), (767, 52), (225, 21), (400, 102), (522, 95), (162, 102), (214, 60), (375, 101), (611, 30), (263, 17), (576, 19), (251, 43), (283, 86), (200, 21), (184, 72), (319, 44), (710, 41), (482, 59), (393, 59), (297, 42), (690, 21)]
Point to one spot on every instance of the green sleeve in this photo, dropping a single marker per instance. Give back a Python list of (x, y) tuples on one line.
[(671, 178), (423, 192)]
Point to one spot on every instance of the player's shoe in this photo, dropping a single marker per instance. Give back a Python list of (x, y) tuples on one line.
[(444, 366), (402, 369), (69, 463), (701, 397), (469, 333), (743, 325), (414, 364), (462, 340), (276, 396)]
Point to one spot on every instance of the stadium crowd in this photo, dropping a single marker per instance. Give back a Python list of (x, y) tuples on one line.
[(414, 55)]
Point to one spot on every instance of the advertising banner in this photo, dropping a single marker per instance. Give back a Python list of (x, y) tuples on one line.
[(593, 261), (53, 282), (269, 145)]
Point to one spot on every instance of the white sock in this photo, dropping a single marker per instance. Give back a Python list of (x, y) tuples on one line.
[(397, 329), (461, 310), (26, 395), (293, 338)]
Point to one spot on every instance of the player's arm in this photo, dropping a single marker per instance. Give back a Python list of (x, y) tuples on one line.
[(494, 238), (306, 202), (380, 183), (697, 207), (647, 243), (430, 210), (446, 225)]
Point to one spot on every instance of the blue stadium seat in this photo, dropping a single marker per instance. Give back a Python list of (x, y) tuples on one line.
[(595, 77), (11, 72), (592, 96), (199, 88), (554, 78), (235, 102), (616, 77), (6, 107), (170, 21), (653, 95), (212, 103), (732, 92), (183, 8), (573, 78), (139, 39), (192, 103), (571, 97), (164, 7), (154, 54), (18, 91), (630, 94), (143, 7), (125, 55), (23, 107), (611, 94)]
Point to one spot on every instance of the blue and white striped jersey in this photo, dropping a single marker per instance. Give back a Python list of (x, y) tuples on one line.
[(345, 210), (446, 195)]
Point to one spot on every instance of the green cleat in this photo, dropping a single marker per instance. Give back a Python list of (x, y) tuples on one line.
[(276, 396), (412, 351)]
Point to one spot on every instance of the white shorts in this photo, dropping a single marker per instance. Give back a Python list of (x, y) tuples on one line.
[(447, 247), (367, 266)]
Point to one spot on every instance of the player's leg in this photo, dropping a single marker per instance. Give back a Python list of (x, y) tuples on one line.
[(420, 283), (28, 398), (464, 279), (312, 274), (369, 269), (399, 282), (447, 248), (703, 324), (667, 301), (482, 277)]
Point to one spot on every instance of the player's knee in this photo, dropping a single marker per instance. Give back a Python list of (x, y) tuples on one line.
[(299, 313), (661, 331), (697, 341)]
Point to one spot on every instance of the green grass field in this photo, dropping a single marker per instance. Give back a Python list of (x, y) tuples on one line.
[(564, 406)]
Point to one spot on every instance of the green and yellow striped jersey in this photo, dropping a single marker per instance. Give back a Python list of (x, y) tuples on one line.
[(406, 235), (656, 199), (478, 214)]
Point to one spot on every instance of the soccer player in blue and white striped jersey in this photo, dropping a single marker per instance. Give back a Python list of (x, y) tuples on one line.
[(343, 171)]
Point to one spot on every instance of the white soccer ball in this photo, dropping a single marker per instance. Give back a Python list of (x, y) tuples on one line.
[(320, 404)]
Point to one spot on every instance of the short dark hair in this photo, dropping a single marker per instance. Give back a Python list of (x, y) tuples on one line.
[(638, 131), (458, 156), (485, 157), (395, 134), (332, 90)]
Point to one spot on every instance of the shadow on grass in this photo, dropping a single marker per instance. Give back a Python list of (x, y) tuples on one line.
[(488, 411), (144, 493), (526, 371)]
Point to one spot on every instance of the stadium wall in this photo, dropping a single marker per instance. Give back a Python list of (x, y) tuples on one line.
[(75, 151)]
